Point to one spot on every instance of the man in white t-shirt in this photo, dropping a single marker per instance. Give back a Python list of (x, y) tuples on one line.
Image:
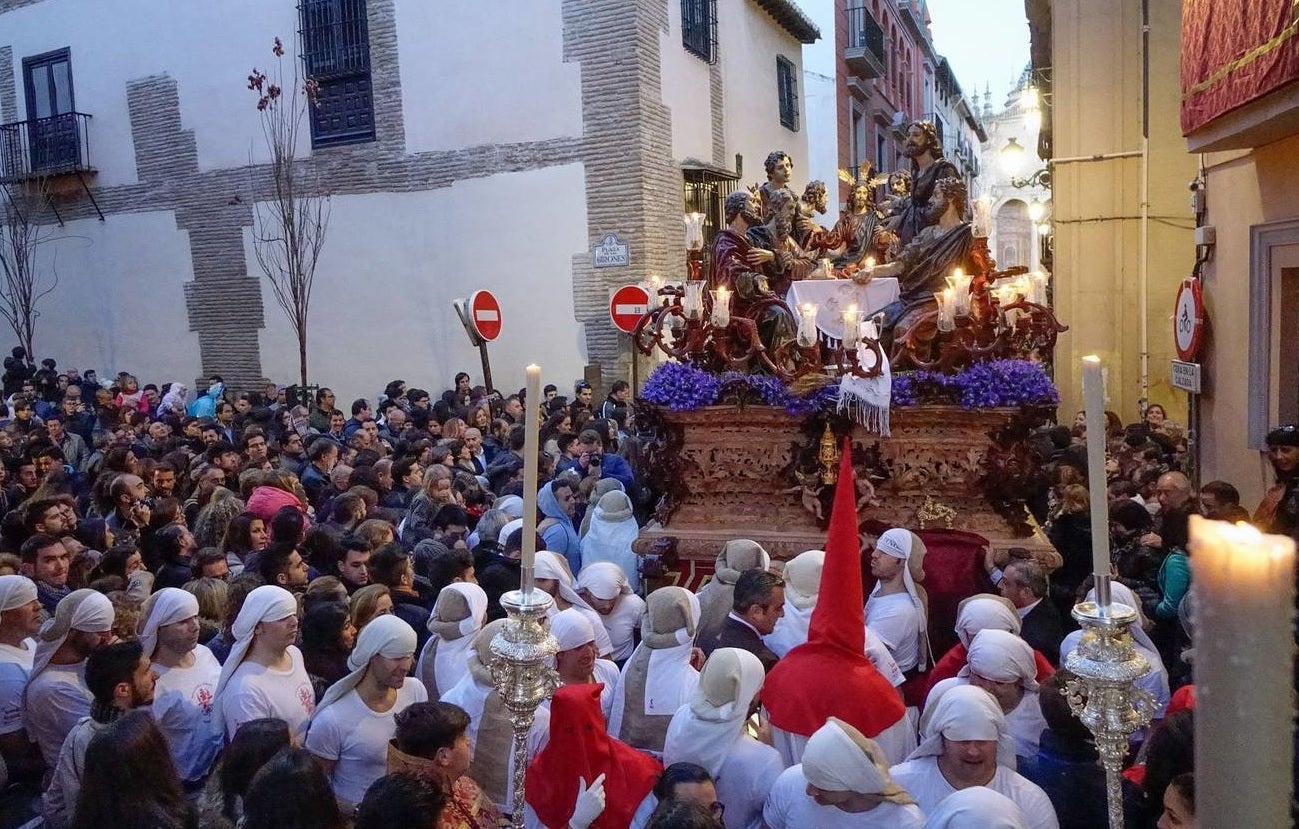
[(895, 610), (120, 679), (56, 697), (350, 730), (605, 588), (184, 703), (843, 781), (20, 619), (965, 742), (264, 676)]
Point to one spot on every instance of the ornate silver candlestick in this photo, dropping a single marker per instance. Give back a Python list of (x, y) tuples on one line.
[(1105, 696), (522, 672)]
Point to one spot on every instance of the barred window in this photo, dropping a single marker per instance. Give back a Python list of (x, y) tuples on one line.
[(336, 55), (699, 28), (787, 88)]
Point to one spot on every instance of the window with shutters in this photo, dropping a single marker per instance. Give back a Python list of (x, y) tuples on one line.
[(336, 55), (699, 28), (787, 87)]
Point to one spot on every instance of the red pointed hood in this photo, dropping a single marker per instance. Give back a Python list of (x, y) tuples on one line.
[(829, 675)]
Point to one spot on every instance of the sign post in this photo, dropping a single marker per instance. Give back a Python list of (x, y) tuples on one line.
[(481, 317), (626, 307)]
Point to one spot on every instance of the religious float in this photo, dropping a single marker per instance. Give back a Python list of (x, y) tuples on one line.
[(895, 329)]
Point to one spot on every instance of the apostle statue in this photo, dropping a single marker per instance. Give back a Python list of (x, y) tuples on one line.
[(811, 236), (782, 258), (927, 167), (779, 168), (923, 265), (737, 265)]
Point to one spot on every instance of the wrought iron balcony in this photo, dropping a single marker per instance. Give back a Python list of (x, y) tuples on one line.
[(53, 146), (864, 53)]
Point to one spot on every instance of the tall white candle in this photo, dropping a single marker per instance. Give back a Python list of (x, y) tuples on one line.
[(851, 321), (1094, 407), (807, 325), (531, 452), (1244, 644)]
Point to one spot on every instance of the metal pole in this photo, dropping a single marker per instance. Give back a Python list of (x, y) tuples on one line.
[(487, 368)]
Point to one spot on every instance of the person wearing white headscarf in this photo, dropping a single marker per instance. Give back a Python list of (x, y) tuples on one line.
[(659, 677), (977, 808), (965, 742), (20, 619), (173, 402), (350, 729), (802, 586), (56, 696), (458, 614), (613, 529), (896, 608), (511, 505), (602, 487), (184, 697), (491, 736), (605, 588), (576, 660), (1002, 664), (843, 781), (264, 675), (553, 576), (1154, 681), (710, 731), (717, 597)]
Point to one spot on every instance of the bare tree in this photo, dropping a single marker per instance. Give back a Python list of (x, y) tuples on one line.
[(24, 285), (289, 221)]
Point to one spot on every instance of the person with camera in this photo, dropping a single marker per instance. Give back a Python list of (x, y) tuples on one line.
[(593, 462), (131, 508)]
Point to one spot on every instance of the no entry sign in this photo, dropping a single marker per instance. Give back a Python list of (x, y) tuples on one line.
[(485, 313), (627, 305)]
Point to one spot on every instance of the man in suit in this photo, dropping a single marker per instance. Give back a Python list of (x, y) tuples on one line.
[(1024, 584), (759, 601)]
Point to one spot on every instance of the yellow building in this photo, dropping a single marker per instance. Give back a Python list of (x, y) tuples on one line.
[(1117, 262)]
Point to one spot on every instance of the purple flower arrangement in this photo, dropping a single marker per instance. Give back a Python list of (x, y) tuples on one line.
[(682, 388), (981, 386)]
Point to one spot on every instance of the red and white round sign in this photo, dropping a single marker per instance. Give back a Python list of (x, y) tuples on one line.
[(1188, 320), (485, 313), (627, 305)]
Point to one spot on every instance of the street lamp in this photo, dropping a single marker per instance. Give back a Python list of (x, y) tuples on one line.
[(1012, 157), (1036, 210)]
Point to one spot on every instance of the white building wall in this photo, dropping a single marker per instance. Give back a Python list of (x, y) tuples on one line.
[(114, 42), (820, 62), (119, 304), (450, 102), (381, 307), (686, 94), (748, 43)]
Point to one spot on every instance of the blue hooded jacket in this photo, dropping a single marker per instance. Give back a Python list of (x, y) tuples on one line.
[(561, 536), (205, 405)]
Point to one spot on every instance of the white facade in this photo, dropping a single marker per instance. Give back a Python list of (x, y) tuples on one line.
[(496, 165), (1015, 239), (820, 65)]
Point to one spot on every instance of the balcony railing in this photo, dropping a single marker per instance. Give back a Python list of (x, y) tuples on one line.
[(864, 53), (50, 146)]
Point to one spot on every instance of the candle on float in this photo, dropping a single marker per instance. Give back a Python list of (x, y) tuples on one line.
[(1244, 642), (531, 453), (807, 325), (870, 264), (1094, 410), (721, 307), (851, 322)]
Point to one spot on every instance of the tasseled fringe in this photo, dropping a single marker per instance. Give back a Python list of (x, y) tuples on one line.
[(872, 418)]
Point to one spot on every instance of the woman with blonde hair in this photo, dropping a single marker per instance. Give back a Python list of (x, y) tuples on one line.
[(436, 491), (214, 519), (211, 594), (368, 602)]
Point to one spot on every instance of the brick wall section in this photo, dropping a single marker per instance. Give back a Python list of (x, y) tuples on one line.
[(8, 87), (633, 187), (717, 101)]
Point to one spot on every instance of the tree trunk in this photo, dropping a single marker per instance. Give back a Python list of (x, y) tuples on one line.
[(302, 354)]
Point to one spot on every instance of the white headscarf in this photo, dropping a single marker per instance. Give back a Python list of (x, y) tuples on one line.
[(839, 758), (16, 592), (977, 807), (669, 669), (173, 400), (473, 689), (802, 586), (703, 730), (166, 607), (571, 629), (451, 659), (508, 529), (604, 580), (86, 610), (985, 611), (1001, 657), (553, 566), (613, 529), (511, 505), (901, 543), (387, 636), (268, 603), (965, 712)]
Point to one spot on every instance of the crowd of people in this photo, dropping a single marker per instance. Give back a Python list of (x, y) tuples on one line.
[(232, 609)]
